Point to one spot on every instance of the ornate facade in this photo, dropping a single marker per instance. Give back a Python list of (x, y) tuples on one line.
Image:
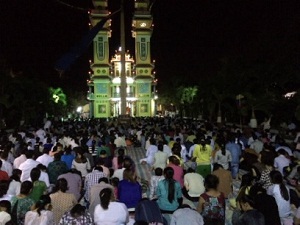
[(105, 78)]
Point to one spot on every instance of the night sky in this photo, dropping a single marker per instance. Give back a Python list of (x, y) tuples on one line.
[(190, 37)]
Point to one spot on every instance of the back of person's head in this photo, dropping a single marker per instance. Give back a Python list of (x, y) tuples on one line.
[(121, 152), (46, 150), (4, 154), (42, 203), (106, 196), (211, 181), (174, 160), (128, 175), (267, 159), (3, 187), (16, 174), (29, 154), (114, 181), (276, 177), (61, 185), (57, 157), (158, 171), (169, 172), (217, 166), (98, 168), (103, 179), (160, 147), (26, 187), (127, 163), (77, 211), (247, 199), (190, 170), (281, 151), (152, 141), (247, 180), (5, 205), (35, 174), (149, 211)]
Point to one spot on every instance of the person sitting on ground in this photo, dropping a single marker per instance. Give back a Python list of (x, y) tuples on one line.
[(129, 190), (39, 187), (95, 190), (5, 209), (250, 215), (193, 185), (15, 183), (212, 203), (160, 158), (81, 163), (22, 203), (109, 211), (158, 176), (61, 201), (266, 204), (169, 192), (41, 212), (179, 217), (77, 215)]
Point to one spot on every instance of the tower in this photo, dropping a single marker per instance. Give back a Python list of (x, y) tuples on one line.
[(145, 80), (105, 80), (99, 83)]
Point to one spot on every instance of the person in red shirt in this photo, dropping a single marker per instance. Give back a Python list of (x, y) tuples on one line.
[(3, 174)]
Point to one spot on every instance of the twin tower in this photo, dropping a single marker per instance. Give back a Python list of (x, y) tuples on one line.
[(105, 78)]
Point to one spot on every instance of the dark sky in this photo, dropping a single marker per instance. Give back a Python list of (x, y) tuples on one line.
[(189, 40)]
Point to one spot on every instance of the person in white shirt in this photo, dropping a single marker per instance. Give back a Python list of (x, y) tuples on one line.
[(6, 166), (27, 166), (109, 211), (281, 161), (19, 160), (150, 153), (45, 159)]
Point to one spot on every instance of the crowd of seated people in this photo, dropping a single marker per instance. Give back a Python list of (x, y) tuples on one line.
[(83, 172)]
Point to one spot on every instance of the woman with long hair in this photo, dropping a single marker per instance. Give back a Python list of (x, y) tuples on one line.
[(41, 212), (282, 196), (109, 211), (129, 190), (169, 192), (81, 163), (61, 201), (118, 160)]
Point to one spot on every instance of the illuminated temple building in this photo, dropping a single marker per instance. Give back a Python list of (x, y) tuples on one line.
[(105, 78)]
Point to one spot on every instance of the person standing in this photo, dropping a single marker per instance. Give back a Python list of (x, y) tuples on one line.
[(236, 152)]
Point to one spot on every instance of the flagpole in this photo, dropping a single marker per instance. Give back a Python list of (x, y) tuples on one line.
[(123, 74)]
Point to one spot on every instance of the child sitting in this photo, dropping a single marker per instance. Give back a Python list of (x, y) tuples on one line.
[(158, 176)]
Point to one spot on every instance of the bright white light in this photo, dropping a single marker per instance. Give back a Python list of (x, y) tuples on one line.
[(290, 94), (143, 25), (155, 97), (79, 109)]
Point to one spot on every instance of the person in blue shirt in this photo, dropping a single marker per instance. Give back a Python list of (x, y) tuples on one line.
[(236, 152), (169, 194)]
